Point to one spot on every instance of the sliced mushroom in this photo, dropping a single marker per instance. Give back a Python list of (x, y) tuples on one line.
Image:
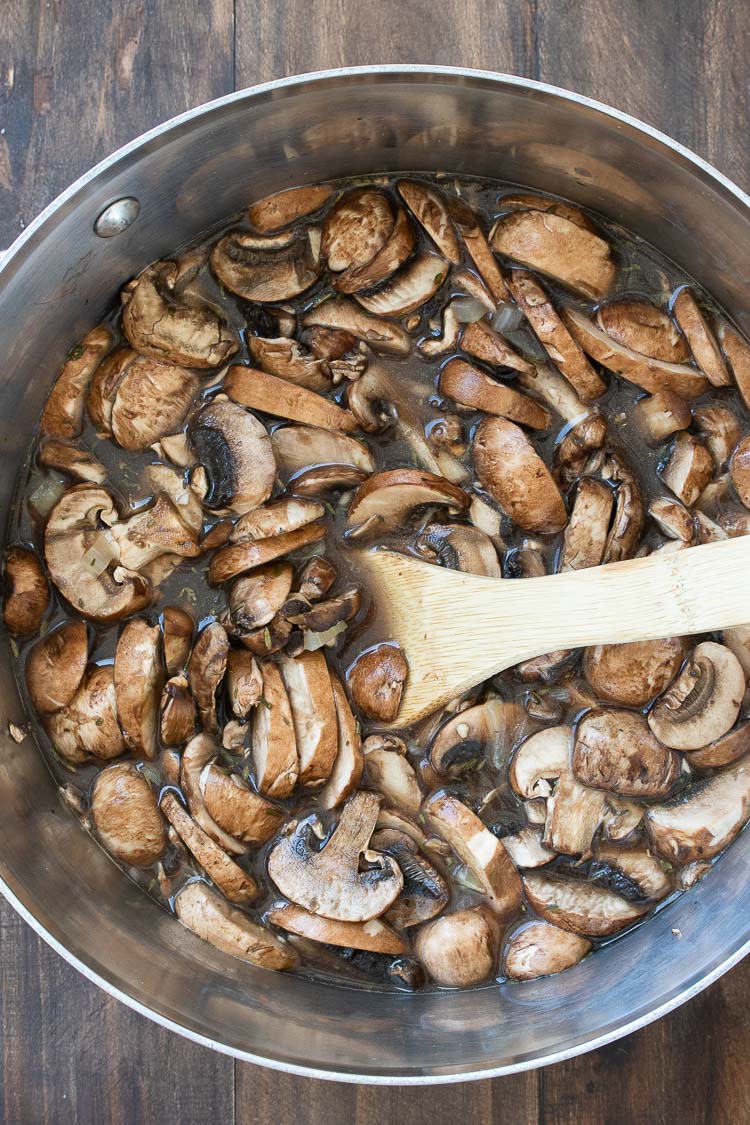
[(177, 627), (523, 201), (205, 671), (645, 328), (289, 360), (176, 713), (126, 816), (324, 615), (526, 848), (580, 907), (475, 845), (260, 391), (552, 244), (546, 667), (328, 343), (483, 732), (622, 818), (196, 757), (633, 674), (615, 750), (235, 808), (255, 599), (324, 479), (459, 547), (231, 880), (459, 950), (574, 813), (700, 338), (514, 474), (26, 593), (391, 256), (62, 416), (652, 374), (738, 640), (349, 765), (721, 430), (703, 702), (340, 312), (88, 723), (244, 682), (633, 871), (56, 665), (373, 936), (276, 518), (586, 535), (629, 514), (538, 949), (430, 210), (725, 751), (385, 500), (390, 773), (283, 208), (478, 339), (673, 518), (739, 470), (408, 289), (236, 453), (137, 399), (547, 385), (377, 679), (297, 447), (308, 685), (160, 530), (425, 892), (207, 914), (554, 337), (356, 228), (705, 820), (688, 469), (71, 459), (316, 578), (467, 224), (266, 275), (274, 747), (249, 554), (661, 414), (470, 387), (160, 321), (737, 351), (139, 676), (328, 881)]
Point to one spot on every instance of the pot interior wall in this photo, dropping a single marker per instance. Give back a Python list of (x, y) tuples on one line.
[(59, 283)]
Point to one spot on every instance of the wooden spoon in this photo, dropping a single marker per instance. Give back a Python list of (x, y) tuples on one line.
[(459, 629)]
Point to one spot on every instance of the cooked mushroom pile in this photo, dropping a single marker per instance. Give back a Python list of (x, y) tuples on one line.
[(489, 379)]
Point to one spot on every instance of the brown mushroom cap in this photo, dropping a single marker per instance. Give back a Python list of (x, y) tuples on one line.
[(377, 679), (514, 474), (661, 414), (62, 416), (615, 750), (643, 327), (673, 518), (701, 339), (244, 681), (177, 716), (265, 275), (538, 949), (207, 914), (178, 627), (328, 881), (55, 666), (459, 950), (389, 258), (26, 593), (151, 400), (374, 936), (230, 879), (260, 391), (284, 207), (721, 430), (163, 529), (248, 554), (235, 808), (700, 824), (205, 671), (460, 547), (289, 360), (385, 500), (688, 469), (349, 765), (71, 459), (308, 685), (256, 598), (88, 724), (739, 470), (274, 747), (586, 535), (126, 816), (527, 201), (639, 867), (633, 674), (539, 761), (471, 387), (139, 677), (554, 245), (340, 312), (473, 237), (724, 751), (579, 906), (408, 289), (356, 228), (276, 518), (430, 210), (703, 702), (235, 450), (737, 351)]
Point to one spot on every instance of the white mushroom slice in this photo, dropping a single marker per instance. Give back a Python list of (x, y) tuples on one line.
[(356, 228), (459, 950), (376, 681), (546, 384), (255, 599), (526, 848), (235, 808), (661, 414), (207, 914), (290, 361), (580, 907), (373, 936), (244, 682), (150, 400), (721, 430), (578, 258), (104, 383), (701, 339), (88, 724), (523, 201), (156, 531), (514, 474), (56, 665), (471, 387), (205, 671), (157, 321), (425, 892), (645, 328), (459, 547), (176, 448), (737, 351), (562, 349), (651, 374), (739, 470), (629, 514), (574, 813), (738, 640), (199, 752), (71, 459), (478, 339), (450, 332), (79, 555), (391, 774), (260, 276), (586, 535), (260, 391), (392, 255), (308, 685), (62, 416), (328, 881), (688, 469), (139, 676), (703, 702), (701, 823), (126, 816), (475, 845), (249, 554), (485, 731), (385, 500), (633, 674), (622, 818), (274, 747), (236, 453), (276, 518), (615, 750), (26, 592), (408, 289), (725, 751), (284, 207), (649, 876), (673, 518), (539, 761), (349, 765), (298, 447), (340, 312), (538, 949), (430, 210), (467, 224), (177, 627), (231, 880), (177, 716)]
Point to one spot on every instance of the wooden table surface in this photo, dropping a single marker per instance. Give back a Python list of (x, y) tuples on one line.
[(77, 79)]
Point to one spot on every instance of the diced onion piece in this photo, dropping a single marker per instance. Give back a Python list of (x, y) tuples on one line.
[(99, 555), (315, 641), (46, 494), (467, 309), (507, 319)]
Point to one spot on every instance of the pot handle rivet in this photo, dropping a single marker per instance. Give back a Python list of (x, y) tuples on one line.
[(117, 217)]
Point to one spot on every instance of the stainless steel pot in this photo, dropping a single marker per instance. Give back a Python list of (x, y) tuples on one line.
[(57, 281)]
